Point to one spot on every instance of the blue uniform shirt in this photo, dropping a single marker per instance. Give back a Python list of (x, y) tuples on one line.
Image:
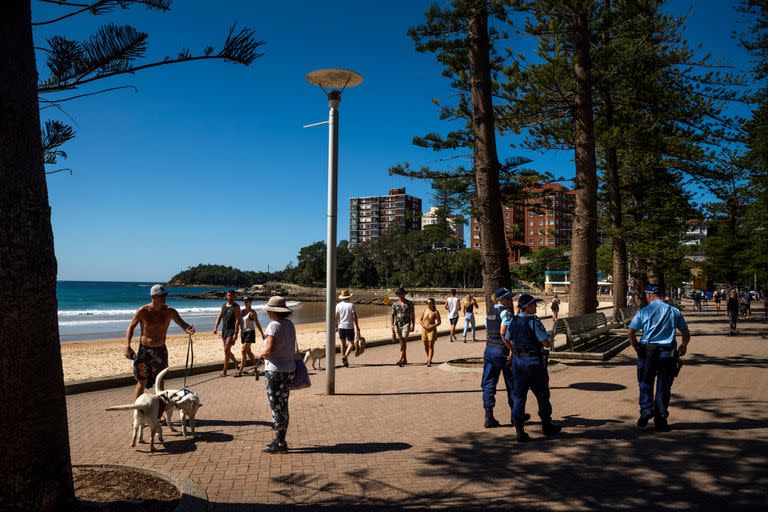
[(506, 315), (658, 321), (538, 328)]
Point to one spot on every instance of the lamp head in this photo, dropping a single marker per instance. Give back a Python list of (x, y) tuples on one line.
[(334, 98)]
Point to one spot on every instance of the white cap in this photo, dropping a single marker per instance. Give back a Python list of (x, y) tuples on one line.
[(157, 289)]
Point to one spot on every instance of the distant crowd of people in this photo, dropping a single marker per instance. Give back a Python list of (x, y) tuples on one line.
[(738, 305)]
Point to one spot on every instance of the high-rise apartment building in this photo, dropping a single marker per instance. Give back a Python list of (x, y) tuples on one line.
[(372, 217), (455, 223), (543, 221)]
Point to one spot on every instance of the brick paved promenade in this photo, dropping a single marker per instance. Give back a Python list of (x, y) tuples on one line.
[(413, 438)]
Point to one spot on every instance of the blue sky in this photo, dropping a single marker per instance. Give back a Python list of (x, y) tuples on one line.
[(208, 163)]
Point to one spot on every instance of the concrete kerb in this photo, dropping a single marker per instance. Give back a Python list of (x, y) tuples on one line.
[(193, 496), (127, 379)]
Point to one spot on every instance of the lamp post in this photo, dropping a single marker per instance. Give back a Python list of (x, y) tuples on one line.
[(332, 82)]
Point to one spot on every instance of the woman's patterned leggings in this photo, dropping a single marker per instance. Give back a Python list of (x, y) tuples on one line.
[(278, 389)]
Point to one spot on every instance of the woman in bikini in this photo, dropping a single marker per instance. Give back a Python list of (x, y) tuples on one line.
[(429, 321)]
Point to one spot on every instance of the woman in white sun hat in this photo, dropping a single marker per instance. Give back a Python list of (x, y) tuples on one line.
[(279, 368)]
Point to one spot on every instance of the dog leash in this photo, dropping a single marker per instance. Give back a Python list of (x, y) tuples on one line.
[(188, 365)]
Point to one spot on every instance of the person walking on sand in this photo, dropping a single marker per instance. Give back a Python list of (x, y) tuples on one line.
[(452, 306), (346, 324), (230, 318), (468, 307), (555, 307), (279, 356), (250, 322), (657, 355), (403, 322), (152, 357), (716, 297), (732, 307), (429, 321)]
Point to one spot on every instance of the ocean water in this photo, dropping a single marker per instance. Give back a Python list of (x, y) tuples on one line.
[(98, 309)]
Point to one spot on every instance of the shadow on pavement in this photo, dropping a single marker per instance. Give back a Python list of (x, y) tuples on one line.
[(231, 423), (354, 448), (601, 464), (597, 386), (183, 445), (737, 361), (406, 393)]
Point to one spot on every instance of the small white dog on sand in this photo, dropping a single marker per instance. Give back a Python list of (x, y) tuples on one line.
[(146, 412), (184, 400), (317, 355)]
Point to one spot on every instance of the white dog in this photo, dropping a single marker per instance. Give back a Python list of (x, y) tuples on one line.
[(184, 400), (317, 355), (146, 412)]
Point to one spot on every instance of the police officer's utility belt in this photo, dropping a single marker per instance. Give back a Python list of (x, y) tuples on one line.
[(653, 347), (495, 344), (523, 353)]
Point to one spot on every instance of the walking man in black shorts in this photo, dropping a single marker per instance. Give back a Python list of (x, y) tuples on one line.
[(152, 357), (346, 325), (230, 319), (452, 306)]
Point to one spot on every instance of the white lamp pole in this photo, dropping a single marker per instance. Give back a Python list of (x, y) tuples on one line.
[(336, 79)]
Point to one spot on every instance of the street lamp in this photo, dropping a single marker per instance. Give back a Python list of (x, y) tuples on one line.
[(332, 82)]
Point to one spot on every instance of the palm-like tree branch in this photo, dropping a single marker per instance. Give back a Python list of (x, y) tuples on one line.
[(102, 6), (110, 51)]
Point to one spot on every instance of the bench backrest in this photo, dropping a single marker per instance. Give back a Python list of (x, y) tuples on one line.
[(585, 323)]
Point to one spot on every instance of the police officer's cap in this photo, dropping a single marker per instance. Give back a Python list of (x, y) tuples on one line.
[(503, 293), (526, 300), (654, 289)]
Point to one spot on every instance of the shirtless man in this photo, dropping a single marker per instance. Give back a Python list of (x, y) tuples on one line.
[(152, 356)]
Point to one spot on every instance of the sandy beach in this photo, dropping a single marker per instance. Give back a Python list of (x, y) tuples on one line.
[(103, 358)]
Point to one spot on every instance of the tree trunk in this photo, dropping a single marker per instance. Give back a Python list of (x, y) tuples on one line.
[(583, 272), (619, 271), (34, 451), (618, 244), (493, 246)]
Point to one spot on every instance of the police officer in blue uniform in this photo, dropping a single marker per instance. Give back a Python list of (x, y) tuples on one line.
[(496, 355), (657, 355), (530, 340)]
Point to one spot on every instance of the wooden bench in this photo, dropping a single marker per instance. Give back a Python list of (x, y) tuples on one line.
[(587, 337), (582, 329)]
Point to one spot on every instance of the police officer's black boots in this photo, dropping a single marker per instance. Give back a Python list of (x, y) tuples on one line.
[(490, 421), (661, 425), (522, 436), (525, 418), (550, 428)]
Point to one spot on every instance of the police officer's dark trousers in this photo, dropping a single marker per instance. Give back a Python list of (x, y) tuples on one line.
[(495, 363), (530, 373), (655, 365)]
